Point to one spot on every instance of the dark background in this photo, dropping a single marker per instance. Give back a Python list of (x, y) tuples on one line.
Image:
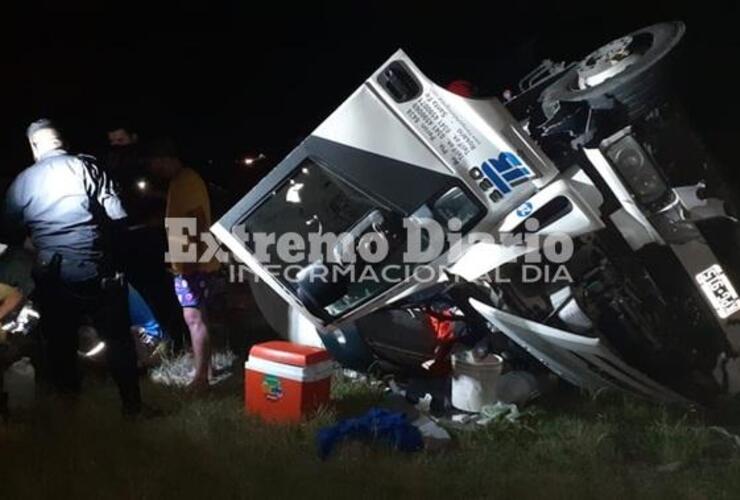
[(245, 78)]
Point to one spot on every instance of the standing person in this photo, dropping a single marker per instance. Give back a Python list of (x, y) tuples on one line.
[(70, 209), (123, 161), (122, 135), (187, 198), (144, 202)]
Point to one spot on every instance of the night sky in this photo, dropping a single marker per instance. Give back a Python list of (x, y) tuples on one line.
[(258, 78)]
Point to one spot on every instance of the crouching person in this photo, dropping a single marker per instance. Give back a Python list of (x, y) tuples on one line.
[(70, 209), (10, 300)]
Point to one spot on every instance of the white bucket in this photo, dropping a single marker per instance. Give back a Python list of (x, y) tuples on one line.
[(474, 380)]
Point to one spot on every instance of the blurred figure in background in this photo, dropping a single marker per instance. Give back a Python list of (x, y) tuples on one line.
[(187, 198), (121, 136), (125, 164), (144, 200)]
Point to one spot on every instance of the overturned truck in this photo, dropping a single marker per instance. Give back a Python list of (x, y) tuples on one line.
[(580, 228)]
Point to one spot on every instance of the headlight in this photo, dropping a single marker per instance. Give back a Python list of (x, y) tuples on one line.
[(638, 171)]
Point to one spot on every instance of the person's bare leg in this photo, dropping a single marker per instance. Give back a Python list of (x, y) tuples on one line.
[(200, 340)]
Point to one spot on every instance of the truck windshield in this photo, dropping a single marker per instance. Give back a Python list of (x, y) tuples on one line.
[(345, 247), (329, 217)]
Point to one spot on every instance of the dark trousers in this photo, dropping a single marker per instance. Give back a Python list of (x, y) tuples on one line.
[(147, 272), (63, 306)]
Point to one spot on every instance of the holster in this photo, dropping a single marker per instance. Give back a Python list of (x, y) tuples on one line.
[(47, 276)]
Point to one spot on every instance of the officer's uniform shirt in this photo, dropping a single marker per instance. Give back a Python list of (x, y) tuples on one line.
[(67, 203)]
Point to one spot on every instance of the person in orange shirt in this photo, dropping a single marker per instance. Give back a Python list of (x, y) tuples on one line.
[(187, 198)]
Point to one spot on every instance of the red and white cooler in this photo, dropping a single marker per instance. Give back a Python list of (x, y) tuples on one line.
[(284, 382)]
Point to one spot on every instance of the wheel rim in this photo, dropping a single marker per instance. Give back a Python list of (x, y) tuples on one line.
[(612, 59)]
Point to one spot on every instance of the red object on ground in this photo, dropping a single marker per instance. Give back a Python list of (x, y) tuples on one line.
[(285, 382)]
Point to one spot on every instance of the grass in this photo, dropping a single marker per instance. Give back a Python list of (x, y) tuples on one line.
[(573, 446)]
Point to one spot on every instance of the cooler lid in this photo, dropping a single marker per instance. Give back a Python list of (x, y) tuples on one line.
[(288, 353)]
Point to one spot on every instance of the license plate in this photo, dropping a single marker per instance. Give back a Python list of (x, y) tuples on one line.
[(719, 291)]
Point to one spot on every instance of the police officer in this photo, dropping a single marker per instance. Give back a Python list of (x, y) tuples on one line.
[(69, 207)]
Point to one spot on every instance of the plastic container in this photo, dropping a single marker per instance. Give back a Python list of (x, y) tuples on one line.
[(474, 380), (285, 382), (19, 382)]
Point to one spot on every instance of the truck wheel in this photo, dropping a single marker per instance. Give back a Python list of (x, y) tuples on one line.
[(626, 73)]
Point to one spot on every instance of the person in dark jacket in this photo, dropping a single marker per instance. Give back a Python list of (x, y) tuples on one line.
[(72, 212), (144, 201)]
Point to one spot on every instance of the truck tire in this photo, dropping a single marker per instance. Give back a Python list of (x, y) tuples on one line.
[(627, 74)]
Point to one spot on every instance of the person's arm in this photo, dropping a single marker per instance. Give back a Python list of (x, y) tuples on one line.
[(13, 229), (103, 189), (10, 299)]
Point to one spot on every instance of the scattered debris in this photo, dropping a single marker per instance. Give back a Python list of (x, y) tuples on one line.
[(724, 432), (671, 467), (435, 436), (495, 413), (376, 425), (463, 418), (499, 412), (353, 375)]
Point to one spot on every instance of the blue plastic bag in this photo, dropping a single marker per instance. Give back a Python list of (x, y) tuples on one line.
[(376, 425)]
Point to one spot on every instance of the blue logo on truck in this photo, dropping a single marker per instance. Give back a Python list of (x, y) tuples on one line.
[(525, 210), (505, 173)]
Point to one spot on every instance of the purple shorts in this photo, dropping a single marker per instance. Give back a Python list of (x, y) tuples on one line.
[(192, 289)]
